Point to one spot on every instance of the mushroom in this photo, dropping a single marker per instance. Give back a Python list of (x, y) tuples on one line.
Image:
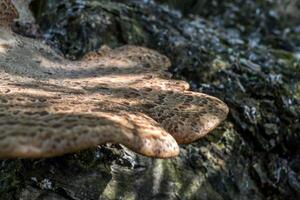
[(50, 106)]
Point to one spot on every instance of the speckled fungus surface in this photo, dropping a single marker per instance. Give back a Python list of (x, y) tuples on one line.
[(51, 106), (8, 12)]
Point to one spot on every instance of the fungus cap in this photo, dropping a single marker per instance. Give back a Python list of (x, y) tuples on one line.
[(51, 106)]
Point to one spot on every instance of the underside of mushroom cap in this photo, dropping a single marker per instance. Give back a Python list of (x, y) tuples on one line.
[(50, 106)]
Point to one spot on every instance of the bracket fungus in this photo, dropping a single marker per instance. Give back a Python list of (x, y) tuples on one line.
[(50, 106)]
